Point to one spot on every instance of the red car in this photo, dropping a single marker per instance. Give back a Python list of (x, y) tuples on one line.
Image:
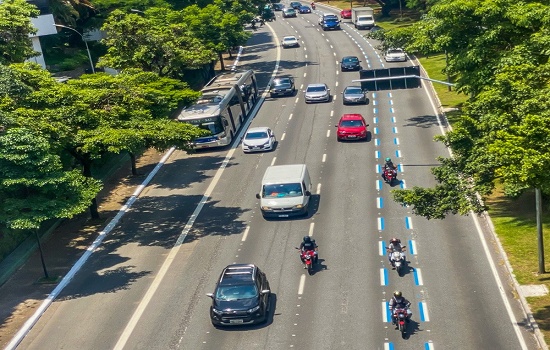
[(345, 13), (351, 127)]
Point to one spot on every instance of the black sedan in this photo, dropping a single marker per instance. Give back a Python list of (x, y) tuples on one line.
[(278, 7), (350, 63), (282, 86)]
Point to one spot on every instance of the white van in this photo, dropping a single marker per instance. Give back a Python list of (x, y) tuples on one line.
[(285, 191)]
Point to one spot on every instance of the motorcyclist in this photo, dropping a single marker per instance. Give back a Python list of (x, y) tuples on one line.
[(395, 245), (389, 166), (313, 6), (308, 244), (398, 301)]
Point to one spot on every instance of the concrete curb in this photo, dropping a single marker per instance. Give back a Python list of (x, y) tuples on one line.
[(21, 254)]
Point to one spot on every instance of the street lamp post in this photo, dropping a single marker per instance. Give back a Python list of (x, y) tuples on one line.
[(85, 43)]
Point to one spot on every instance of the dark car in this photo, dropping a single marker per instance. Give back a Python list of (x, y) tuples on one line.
[(304, 9), (350, 63), (241, 296), (354, 94), (289, 12), (278, 7), (282, 86), (295, 5)]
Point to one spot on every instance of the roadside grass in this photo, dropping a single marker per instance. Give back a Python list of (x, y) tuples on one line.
[(513, 218)]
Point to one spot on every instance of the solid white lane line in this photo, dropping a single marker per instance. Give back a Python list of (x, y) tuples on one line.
[(319, 188), (245, 234), (273, 160), (302, 284)]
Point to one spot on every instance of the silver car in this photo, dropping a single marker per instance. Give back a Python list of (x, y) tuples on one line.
[(395, 55), (258, 139), (317, 93), (354, 94)]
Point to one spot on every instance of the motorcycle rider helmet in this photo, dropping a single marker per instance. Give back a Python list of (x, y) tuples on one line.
[(307, 239), (397, 294), (395, 240), (388, 159)]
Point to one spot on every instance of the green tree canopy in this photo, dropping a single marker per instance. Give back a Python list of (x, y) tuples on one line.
[(99, 113), (33, 185), (218, 30), (502, 135), (159, 42), (15, 28)]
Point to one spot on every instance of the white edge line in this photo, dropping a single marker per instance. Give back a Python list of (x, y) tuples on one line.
[(507, 305), (80, 262)]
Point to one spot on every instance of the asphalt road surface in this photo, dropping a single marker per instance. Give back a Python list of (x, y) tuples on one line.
[(144, 290)]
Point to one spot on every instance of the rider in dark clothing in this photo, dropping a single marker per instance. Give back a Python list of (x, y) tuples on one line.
[(308, 244), (399, 302), (389, 166)]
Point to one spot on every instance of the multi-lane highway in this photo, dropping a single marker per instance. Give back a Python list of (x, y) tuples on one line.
[(145, 289)]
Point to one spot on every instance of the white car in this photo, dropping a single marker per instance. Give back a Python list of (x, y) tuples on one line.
[(395, 55), (258, 139), (290, 41)]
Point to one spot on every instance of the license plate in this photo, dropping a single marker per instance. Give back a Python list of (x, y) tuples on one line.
[(283, 215), (236, 321), (352, 136)]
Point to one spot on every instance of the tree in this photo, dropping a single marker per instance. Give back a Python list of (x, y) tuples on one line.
[(99, 114), (33, 184), (159, 42), (219, 31), (502, 135), (15, 28)]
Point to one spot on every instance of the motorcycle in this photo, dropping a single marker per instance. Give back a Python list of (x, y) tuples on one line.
[(389, 175), (312, 6), (398, 260), (308, 257), (400, 318)]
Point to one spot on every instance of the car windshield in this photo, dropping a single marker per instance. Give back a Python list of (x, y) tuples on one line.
[(350, 60), (289, 39), (282, 190), (353, 90), (395, 51), (281, 83), (289, 10), (351, 123), (316, 88), (256, 135), (238, 292), (331, 19)]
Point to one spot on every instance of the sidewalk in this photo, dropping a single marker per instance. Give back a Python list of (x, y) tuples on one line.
[(20, 293)]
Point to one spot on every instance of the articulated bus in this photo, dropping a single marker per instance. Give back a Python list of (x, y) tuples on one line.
[(224, 105)]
